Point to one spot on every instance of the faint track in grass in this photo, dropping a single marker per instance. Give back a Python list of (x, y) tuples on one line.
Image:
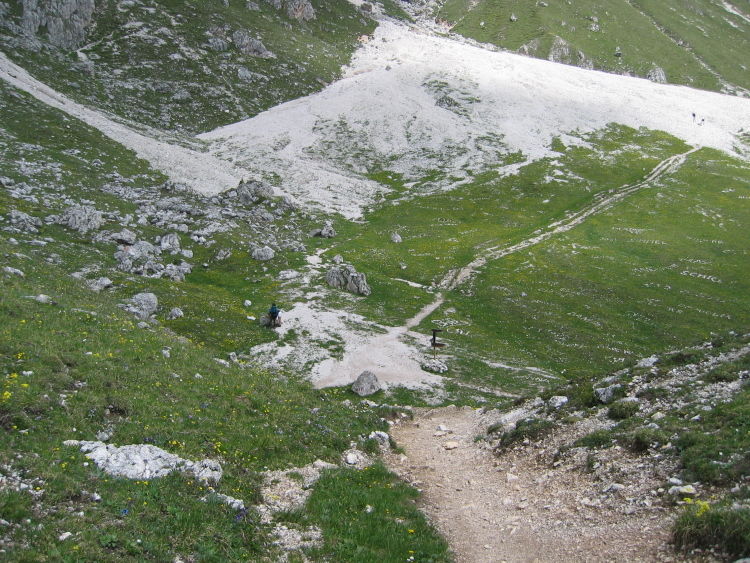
[(602, 201)]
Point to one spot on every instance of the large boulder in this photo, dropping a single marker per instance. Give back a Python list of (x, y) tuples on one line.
[(366, 384), (265, 253), (348, 278)]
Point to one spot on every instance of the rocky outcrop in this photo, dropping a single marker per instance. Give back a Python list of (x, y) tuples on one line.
[(346, 277), (295, 9), (252, 192), (24, 222), (81, 218), (250, 46), (64, 21)]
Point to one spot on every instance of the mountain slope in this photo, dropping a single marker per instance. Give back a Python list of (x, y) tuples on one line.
[(700, 43)]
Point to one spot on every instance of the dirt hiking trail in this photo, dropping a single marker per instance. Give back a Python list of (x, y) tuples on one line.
[(531, 504)]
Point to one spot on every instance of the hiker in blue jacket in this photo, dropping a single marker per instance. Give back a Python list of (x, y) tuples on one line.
[(273, 314)]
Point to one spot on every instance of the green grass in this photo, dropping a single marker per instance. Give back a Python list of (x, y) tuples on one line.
[(392, 529)]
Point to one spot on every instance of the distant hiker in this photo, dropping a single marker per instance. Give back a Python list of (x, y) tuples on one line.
[(693, 117), (273, 314), (703, 121)]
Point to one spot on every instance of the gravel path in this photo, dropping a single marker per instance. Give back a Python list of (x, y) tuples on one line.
[(523, 506)]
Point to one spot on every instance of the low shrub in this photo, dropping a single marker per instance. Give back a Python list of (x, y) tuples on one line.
[(596, 440), (529, 429), (646, 438), (701, 526), (623, 409)]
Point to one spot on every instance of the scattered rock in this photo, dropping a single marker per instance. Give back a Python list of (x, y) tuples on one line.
[(395, 237), (451, 445), (175, 313), (366, 384), (13, 271)]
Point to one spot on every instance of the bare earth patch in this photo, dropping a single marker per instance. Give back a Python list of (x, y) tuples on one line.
[(529, 504)]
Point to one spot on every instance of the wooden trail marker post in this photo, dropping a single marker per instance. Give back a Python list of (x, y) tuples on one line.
[(434, 343)]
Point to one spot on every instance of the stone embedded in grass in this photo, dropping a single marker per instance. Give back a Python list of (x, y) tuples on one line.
[(367, 384), (100, 284), (13, 272), (144, 461), (395, 237)]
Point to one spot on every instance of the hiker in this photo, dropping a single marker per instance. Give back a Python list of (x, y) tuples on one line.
[(273, 314)]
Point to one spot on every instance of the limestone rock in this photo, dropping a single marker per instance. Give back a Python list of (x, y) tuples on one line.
[(217, 44), (13, 271), (395, 237), (434, 366), (64, 21), (175, 313), (250, 46), (265, 253), (125, 236), (367, 384), (380, 437), (81, 218), (606, 394), (346, 277), (25, 222), (657, 75), (252, 192), (100, 284), (143, 305), (300, 10), (557, 401), (170, 243)]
